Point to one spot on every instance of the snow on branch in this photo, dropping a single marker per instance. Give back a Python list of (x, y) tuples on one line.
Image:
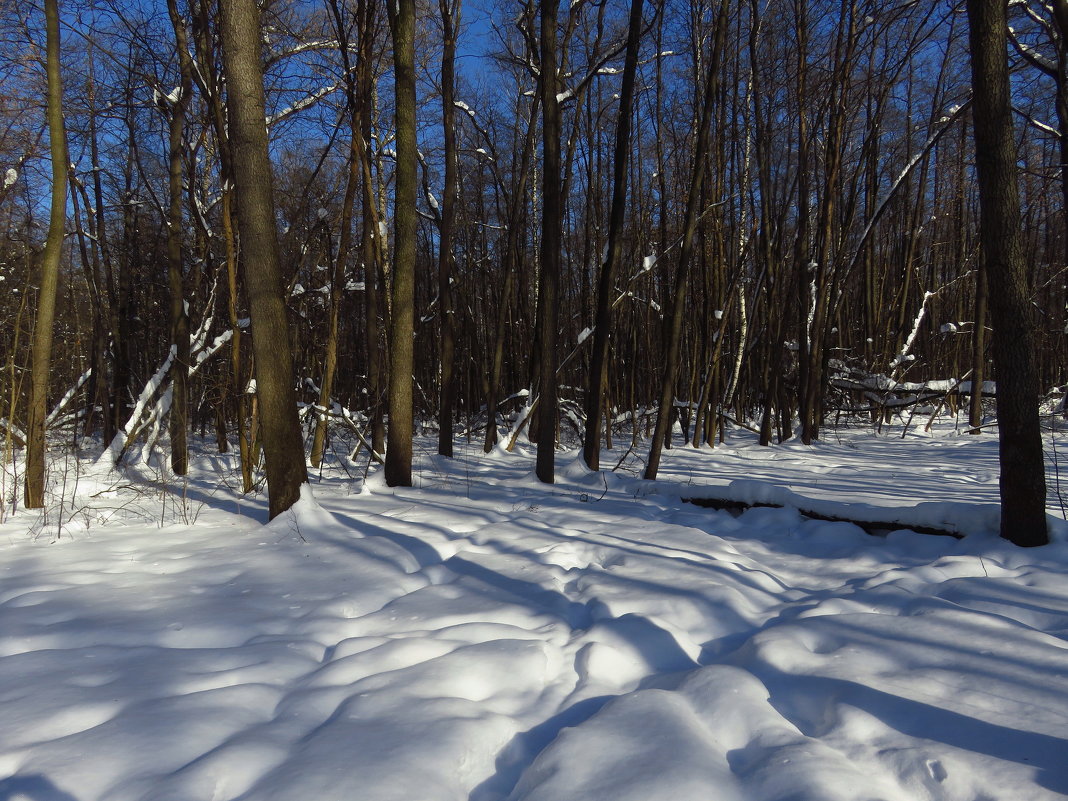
[(67, 398), (121, 441), (904, 356), (945, 123), (1045, 127), (1032, 56), (306, 102)]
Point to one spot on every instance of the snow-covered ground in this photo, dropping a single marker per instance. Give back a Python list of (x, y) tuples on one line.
[(484, 637)]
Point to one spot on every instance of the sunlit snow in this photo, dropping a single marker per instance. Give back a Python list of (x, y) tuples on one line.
[(483, 636)]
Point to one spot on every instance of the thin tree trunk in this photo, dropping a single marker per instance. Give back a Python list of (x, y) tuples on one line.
[(179, 314), (975, 407), (552, 224), (101, 259), (96, 388), (372, 241), (510, 263), (337, 281), (603, 322), (450, 21), (674, 316), (46, 303)]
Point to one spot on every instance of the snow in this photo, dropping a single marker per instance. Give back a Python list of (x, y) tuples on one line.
[(483, 637), (904, 357), (10, 176)]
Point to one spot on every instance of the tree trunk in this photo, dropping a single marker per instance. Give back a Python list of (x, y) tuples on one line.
[(337, 280), (405, 221), (179, 313), (975, 407), (210, 84), (283, 445), (603, 322), (552, 224), (510, 261), (46, 302), (372, 244), (1023, 480), (674, 315), (450, 20)]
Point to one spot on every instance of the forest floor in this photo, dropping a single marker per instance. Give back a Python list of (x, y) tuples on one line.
[(482, 636)]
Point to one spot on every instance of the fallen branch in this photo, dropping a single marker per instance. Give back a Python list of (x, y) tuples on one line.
[(877, 528)]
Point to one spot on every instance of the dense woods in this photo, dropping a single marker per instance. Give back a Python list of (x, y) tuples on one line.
[(661, 217)]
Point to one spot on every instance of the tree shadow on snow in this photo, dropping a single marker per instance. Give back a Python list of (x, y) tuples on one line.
[(518, 755), (31, 788), (1045, 753)]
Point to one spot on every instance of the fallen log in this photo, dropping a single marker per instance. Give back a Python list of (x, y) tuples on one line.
[(876, 528)]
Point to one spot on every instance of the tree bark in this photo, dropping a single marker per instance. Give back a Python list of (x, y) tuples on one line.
[(603, 321), (179, 418), (405, 222), (1023, 480), (46, 302), (283, 445), (552, 224), (210, 84), (450, 20)]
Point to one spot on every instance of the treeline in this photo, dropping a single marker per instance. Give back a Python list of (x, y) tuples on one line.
[(623, 215)]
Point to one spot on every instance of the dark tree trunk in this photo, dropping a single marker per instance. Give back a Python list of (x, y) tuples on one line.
[(405, 222), (450, 20), (603, 321), (179, 418), (1023, 480), (552, 223), (673, 317), (510, 261)]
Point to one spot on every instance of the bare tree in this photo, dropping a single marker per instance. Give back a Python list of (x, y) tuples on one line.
[(405, 221), (552, 225), (674, 318), (1023, 479), (176, 106), (450, 21), (283, 445), (46, 301), (605, 286)]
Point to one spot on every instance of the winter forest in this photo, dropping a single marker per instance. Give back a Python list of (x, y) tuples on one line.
[(427, 400), (758, 214)]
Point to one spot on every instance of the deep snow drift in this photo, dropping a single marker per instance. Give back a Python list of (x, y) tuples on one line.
[(486, 637)]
